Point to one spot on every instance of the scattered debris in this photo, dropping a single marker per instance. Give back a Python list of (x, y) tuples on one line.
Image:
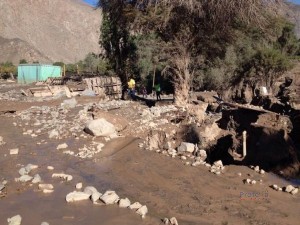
[(63, 176), (14, 151)]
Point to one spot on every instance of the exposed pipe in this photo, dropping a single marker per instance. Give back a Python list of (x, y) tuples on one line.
[(244, 144)]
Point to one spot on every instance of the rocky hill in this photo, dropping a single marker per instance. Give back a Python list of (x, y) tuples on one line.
[(48, 30), (293, 13)]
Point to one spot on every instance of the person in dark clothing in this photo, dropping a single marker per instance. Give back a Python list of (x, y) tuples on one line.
[(158, 91)]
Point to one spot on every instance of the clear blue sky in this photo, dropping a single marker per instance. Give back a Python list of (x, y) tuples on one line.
[(295, 1), (94, 2)]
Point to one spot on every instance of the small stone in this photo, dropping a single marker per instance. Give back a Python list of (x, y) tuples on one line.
[(289, 188), (183, 157), (14, 151), (36, 179), (275, 187), (186, 147), (77, 196), (90, 190), (295, 191), (1, 187), (187, 163), (173, 221), (109, 197), (256, 169), (166, 221), (207, 165), (142, 211), (24, 178), (239, 174), (45, 223), (253, 182), (53, 134), (47, 191), (262, 171), (45, 186), (218, 164), (15, 220), (135, 205), (63, 176), (30, 167), (23, 171), (217, 172), (78, 186), (95, 196), (62, 146), (50, 167), (124, 203), (247, 181)]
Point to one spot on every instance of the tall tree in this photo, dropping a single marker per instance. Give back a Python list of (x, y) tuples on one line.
[(115, 37)]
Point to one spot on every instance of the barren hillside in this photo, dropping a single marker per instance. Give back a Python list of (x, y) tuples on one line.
[(48, 30)]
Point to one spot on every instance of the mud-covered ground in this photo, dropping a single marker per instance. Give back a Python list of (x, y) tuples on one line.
[(166, 185)]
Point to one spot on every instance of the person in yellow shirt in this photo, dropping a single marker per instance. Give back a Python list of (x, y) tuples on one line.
[(131, 87)]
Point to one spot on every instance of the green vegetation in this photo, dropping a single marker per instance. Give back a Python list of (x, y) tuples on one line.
[(198, 44), (7, 69), (23, 61), (91, 63)]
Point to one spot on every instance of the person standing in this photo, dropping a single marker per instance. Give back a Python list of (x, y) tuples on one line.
[(158, 91), (131, 87), (144, 91)]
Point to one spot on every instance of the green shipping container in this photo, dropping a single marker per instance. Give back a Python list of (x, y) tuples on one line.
[(29, 73)]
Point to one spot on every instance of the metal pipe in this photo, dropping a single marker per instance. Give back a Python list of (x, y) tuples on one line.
[(244, 144)]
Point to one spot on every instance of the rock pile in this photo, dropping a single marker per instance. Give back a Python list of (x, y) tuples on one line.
[(289, 189), (108, 198)]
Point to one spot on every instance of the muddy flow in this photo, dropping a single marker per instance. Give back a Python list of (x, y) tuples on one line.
[(36, 207), (138, 164)]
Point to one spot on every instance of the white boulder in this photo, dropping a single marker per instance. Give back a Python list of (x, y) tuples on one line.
[(109, 197), (186, 147), (124, 203), (15, 220), (90, 190), (142, 211), (135, 205), (100, 128), (77, 196)]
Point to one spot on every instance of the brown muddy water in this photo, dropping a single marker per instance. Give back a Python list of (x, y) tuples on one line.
[(35, 206), (165, 185)]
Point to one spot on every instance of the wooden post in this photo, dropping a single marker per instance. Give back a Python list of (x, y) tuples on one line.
[(244, 144), (64, 70)]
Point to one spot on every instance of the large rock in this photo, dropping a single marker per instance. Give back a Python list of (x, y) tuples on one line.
[(24, 178), (15, 220), (100, 128), (77, 196), (95, 196), (69, 103), (135, 205), (124, 203), (186, 147), (90, 190), (289, 188), (142, 211), (109, 197)]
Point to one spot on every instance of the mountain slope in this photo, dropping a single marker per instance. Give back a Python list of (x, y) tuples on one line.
[(56, 30)]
